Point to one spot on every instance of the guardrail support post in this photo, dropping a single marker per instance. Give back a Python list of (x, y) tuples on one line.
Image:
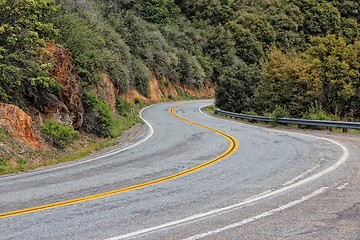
[(329, 129), (345, 130)]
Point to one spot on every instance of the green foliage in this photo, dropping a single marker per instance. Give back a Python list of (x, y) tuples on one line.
[(98, 116), (190, 70), (123, 107), (137, 101), (316, 112), (5, 166), (248, 47), (82, 41), (212, 11), (261, 53), (320, 17), (120, 124), (23, 31), (338, 66), (141, 77), (59, 135), (288, 81), (161, 11), (235, 87), (279, 112)]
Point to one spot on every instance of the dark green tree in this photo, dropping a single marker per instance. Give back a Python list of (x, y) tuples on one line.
[(161, 11), (236, 87)]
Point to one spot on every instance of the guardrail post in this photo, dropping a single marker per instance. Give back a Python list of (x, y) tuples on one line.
[(329, 129), (345, 130)]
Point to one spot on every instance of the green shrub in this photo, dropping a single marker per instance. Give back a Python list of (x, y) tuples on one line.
[(123, 107), (4, 165), (279, 112), (137, 101), (97, 117), (316, 112), (252, 113), (59, 135)]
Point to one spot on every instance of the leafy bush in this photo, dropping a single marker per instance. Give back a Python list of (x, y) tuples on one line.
[(316, 112), (279, 112), (97, 117), (161, 11), (59, 135), (123, 107), (252, 113), (137, 101)]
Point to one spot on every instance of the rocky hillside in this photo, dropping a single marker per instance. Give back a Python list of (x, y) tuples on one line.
[(69, 79), (71, 71)]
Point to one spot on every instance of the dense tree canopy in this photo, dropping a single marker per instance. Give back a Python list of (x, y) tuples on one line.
[(261, 53)]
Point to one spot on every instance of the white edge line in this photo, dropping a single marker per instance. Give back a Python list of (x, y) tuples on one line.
[(262, 215), (150, 133), (253, 199)]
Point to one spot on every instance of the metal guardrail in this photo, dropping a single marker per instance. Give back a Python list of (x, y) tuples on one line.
[(298, 121)]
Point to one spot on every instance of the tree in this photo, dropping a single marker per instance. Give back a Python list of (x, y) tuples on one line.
[(338, 68), (248, 48), (261, 28), (236, 87), (320, 17), (288, 81), (161, 11), (212, 11), (348, 8), (23, 30), (221, 48)]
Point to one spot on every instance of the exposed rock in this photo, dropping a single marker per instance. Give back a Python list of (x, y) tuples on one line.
[(155, 92), (133, 94), (168, 88), (206, 91), (18, 124), (164, 89), (68, 109), (106, 91)]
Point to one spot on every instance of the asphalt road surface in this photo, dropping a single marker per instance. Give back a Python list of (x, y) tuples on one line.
[(191, 176)]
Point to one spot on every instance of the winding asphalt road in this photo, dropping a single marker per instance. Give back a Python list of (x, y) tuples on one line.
[(195, 177)]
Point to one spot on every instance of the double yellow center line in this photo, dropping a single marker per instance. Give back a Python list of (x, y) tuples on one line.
[(231, 149)]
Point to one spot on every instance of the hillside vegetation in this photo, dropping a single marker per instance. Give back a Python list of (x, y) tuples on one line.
[(262, 53), (301, 57)]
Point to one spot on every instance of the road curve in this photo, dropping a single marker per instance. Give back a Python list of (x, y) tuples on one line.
[(269, 173)]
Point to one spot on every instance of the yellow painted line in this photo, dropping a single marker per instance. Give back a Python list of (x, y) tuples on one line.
[(234, 144)]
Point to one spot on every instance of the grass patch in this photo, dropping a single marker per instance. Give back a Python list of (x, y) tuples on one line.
[(5, 165), (210, 109), (121, 124)]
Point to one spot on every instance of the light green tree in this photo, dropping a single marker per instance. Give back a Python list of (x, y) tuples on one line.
[(337, 64), (288, 81)]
